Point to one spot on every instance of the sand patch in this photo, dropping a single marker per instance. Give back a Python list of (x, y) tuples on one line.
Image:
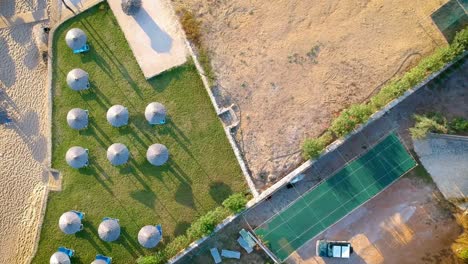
[(154, 36), (23, 144)]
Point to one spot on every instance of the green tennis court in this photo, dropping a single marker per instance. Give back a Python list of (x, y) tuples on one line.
[(336, 197)]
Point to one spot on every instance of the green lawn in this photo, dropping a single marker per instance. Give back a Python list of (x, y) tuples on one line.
[(202, 170)]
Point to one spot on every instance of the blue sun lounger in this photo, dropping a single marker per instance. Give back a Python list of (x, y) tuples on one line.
[(108, 260), (230, 254), (69, 252), (215, 254), (80, 214), (85, 48)]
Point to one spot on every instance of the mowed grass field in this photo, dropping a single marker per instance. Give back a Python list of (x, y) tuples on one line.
[(202, 170)]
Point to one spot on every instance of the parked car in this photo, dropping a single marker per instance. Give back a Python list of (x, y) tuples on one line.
[(333, 249)]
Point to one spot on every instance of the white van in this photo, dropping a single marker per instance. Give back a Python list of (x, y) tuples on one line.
[(333, 249)]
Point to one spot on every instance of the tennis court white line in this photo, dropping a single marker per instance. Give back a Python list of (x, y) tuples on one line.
[(344, 178), (320, 222)]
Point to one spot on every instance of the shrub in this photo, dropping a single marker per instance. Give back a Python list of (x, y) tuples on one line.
[(426, 124), (463, 254), (190, 25), (158, 258), (312, 148), (236, 202), (131, 7), (206, 224), (459, 124), (350, 118), (176, 245)]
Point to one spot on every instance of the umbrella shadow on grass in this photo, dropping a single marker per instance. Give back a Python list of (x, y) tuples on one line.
[(88, 236), (129, 243)]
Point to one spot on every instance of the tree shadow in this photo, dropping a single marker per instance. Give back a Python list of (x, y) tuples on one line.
[(184, 195), (145, 197), (181, 227), (219, 191), (7, 77)]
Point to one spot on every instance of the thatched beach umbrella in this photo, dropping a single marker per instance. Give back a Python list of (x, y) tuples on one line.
[(77, 118), (155, 113), (60, 258), (77, 157), (78, 79), (149, 236), (157, 154), (117, 154), (99, 261), (117, 115), (109, 230), (75, 38), (70, 223)]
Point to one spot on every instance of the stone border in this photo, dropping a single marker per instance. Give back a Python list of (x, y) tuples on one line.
[(49, 116), (219, 112), (334, 145)]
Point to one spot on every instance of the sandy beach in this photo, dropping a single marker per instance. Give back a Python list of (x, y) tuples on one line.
[(23, 144)]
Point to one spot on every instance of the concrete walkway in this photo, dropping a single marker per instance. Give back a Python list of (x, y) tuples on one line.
[(445, 157), (23, 18)]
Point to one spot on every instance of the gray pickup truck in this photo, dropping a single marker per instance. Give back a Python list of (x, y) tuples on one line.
[(333, 249)]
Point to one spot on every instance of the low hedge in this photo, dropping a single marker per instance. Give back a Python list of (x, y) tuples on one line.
[(203, 226), (357, 114)]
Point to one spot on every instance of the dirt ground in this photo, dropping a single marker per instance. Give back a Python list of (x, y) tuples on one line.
[(407, 223), (291, 66)]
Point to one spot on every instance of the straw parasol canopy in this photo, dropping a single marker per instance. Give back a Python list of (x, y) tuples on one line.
[(60, 258), (117, 115), (155, 113), (109, 230), (70, 223), (117, 154), (78, 79), (149, 236), (157, 154), (77, 157), (75, 38), (77, 118), (99, 261)]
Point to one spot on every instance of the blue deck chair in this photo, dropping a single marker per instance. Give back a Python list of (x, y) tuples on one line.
[(70, 252), (85, 48), (108, 260), (110, 218), (80, 214), (159, 228)]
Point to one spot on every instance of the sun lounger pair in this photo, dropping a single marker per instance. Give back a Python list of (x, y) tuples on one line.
[(246, 241), (225, 253), (108, 260), (69, 252)]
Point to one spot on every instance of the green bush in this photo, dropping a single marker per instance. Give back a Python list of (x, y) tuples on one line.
[(350, 118), (313, 147), (427, 123), (158, 258), (206, 224), (176, 245), (459, 125), (463, 254), (236, 202)]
